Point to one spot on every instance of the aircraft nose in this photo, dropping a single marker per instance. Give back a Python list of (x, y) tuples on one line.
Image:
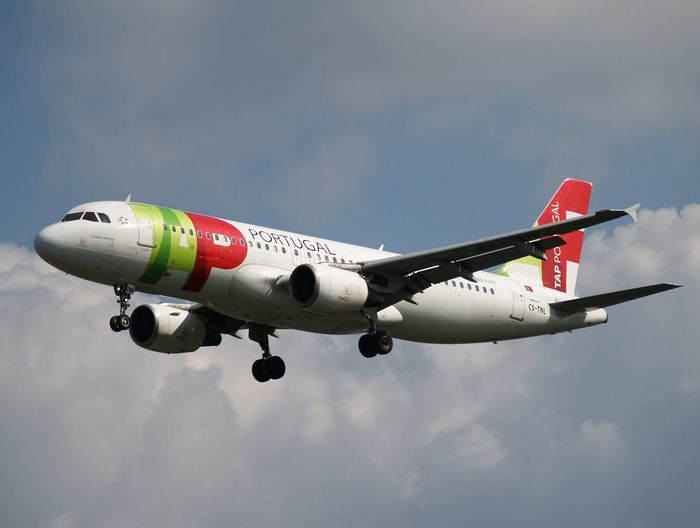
[(48, 243)]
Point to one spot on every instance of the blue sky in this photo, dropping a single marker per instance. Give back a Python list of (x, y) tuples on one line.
[(410, 120), (405, 123)]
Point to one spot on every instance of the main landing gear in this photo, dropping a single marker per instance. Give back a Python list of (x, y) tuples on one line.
[(269, 367), (376, 341), (122, 321)]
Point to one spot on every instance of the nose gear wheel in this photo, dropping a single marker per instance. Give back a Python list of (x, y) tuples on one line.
[(122, 321)]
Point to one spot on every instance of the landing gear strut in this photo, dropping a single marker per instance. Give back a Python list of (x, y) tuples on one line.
[(376, 341), (122, 321), (269, 367)]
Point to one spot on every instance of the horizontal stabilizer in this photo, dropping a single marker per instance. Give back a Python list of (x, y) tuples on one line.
[(594, 302)]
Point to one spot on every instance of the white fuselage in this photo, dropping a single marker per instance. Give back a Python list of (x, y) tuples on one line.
[(493, 308)]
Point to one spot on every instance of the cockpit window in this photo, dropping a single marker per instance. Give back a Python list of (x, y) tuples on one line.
[(92, 217), (72, 216), (104, 218)]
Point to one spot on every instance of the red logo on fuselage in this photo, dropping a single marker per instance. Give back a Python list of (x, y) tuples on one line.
[(219, 245)]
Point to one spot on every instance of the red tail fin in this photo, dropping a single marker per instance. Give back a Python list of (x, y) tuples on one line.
[(559, 272)]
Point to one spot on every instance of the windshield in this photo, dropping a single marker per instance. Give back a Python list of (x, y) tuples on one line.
[(92, 217), (72, 216)]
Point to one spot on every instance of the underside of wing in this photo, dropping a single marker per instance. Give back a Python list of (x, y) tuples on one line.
[(603, 300), (216, 321)]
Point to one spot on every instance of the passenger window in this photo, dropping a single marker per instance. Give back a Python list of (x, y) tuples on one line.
[(225, 239), (216, 237), (70, 217), (165, 227), (267, 247), (454, 284), (92, 217), (208, 235), (182, 230), (335, 259), (242, 242), (275, 248), (104, 218), (461, 285), (326, 257), (469, 285), (199, 233), (174, 228), (233, 241), (284, 250), (191, 233), (476, 288), (259, 246), (308, 254), (342, 261), (296, 252), (492, 292)]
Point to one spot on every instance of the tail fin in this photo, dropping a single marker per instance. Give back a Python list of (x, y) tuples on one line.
[(560, 269)]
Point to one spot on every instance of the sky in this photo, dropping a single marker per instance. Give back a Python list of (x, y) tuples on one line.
[(409, 124)]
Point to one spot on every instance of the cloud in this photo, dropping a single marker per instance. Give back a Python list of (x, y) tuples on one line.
[(593, 427), (601, 437), (641, 251)]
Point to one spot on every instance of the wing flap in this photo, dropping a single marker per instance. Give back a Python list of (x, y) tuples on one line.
[(594, 302)]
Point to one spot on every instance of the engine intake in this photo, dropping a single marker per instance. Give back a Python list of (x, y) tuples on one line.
[(162, 328), (327, 289)]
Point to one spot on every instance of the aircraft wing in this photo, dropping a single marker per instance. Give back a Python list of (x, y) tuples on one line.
[(418, 271), (594, 302)]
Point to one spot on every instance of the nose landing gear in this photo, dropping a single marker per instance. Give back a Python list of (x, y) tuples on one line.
[(122, 322)]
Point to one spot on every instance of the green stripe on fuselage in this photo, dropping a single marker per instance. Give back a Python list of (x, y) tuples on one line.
[(170, 253)]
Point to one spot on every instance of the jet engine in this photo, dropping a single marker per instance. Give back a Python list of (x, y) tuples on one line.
[(330, 290), (162, 328)]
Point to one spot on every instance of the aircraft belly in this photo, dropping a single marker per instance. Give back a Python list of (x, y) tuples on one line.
[(448, 315), (295, 319)]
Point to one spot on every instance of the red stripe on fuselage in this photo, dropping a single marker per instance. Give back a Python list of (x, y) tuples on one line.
[(212, 255)]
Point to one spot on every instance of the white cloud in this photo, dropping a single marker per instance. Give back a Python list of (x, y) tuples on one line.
[(478, 447), (98, 432), (641, 252), (602, 437)]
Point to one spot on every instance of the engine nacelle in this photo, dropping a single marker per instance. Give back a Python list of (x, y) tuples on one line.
[(162, 328), (326, 289)]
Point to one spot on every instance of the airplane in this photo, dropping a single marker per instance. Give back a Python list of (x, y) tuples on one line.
[(237, 276)]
